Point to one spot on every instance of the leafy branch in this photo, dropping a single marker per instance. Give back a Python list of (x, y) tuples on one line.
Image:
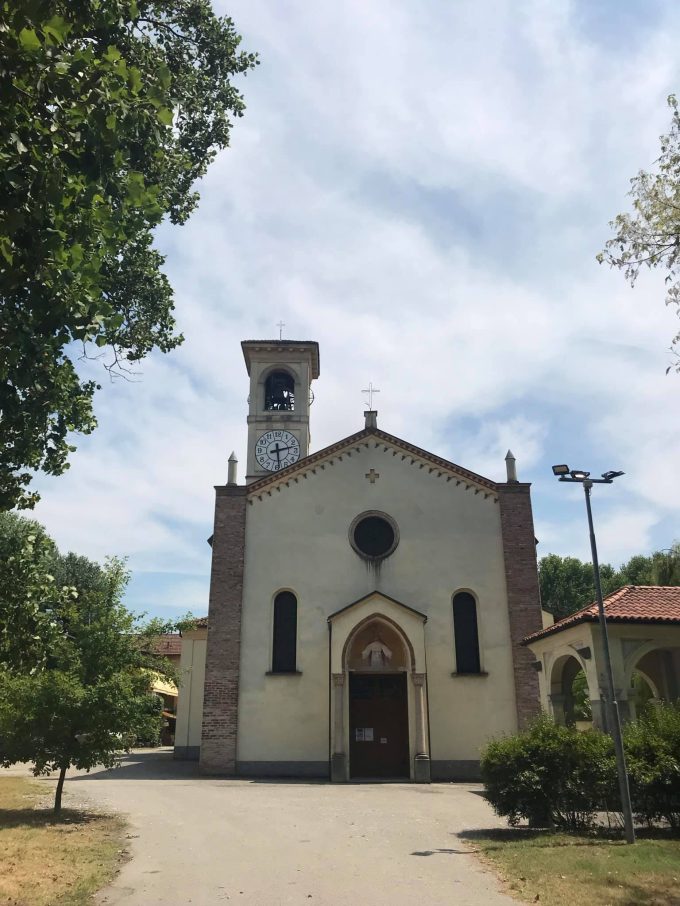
[(651, 235)]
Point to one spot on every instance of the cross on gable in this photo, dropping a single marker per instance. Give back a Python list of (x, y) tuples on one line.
[(370, 390), (372, 476)]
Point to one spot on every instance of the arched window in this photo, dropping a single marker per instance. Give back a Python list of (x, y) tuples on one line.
[(465, 633), (285, 633), (279, 392)]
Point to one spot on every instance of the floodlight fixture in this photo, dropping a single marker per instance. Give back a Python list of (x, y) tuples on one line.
[(579, 474), (560, 470), (609, 476)]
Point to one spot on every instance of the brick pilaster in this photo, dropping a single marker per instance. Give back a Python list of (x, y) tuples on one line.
[(220, 698), (524, 599)]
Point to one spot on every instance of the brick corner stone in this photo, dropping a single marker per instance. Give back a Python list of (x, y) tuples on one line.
[(524, 598), (221, 691)]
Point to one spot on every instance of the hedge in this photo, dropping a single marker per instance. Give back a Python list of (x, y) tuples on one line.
[(557, 776), (550, 775), (653, 757)]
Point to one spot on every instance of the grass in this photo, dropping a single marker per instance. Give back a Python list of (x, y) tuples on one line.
[(565, 870), (48, 861)]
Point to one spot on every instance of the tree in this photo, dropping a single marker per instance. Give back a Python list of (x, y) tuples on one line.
[(568, 584), (80, 695), (650, 236), (637, 571), (109, 113), (56, 719), (666, 566), (28, 592)]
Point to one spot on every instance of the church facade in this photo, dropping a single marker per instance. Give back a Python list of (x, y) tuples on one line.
[(367, 602)]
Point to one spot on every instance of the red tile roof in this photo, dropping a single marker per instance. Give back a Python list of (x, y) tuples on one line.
[(168, 645), (200, 623), (630, 604)]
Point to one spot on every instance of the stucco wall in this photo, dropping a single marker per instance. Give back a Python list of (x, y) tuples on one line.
[(190, 702), (296, 538)]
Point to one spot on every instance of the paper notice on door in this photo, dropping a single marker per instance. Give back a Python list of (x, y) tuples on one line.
[(363, 734), (383, 739)]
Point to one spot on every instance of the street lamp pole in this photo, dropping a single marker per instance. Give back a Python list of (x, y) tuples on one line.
[(614, 721)]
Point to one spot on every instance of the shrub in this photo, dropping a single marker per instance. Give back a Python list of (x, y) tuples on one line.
[(653, 755), (550, 774)]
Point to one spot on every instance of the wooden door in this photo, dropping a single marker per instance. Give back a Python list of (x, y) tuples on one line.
[(378, 725)]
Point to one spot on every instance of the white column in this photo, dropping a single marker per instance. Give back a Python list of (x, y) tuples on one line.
[(421, 729), (421, 762), (339, 706)]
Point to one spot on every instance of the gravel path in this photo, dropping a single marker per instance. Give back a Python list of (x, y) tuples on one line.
[(207, 841)]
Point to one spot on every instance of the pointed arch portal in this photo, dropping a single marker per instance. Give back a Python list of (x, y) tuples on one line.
[(377, 661), (379, 726)]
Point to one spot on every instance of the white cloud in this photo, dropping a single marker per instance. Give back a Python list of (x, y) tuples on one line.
[(421, 188)]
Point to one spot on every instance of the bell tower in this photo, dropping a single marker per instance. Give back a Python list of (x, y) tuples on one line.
[(281, 373)]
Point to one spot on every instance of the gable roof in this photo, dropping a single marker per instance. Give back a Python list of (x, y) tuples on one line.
[(380, 594), (378, 437), (630, 604)]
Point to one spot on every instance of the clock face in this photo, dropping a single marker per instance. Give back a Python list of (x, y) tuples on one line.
[(275, 450)]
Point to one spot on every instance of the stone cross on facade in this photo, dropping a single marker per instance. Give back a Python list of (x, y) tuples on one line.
[(370, 391), (372, 476)]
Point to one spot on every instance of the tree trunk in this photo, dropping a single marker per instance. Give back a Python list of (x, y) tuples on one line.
[(60, 787)]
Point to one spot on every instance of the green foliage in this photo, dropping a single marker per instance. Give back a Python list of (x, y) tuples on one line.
[(55, 719), (653, 755), (650, 236), (551, 774), (581, 696), (109, 113), (29, 596), (567, 584), (75, 665), (666, 566), (637, 571), (641, 693), (563, 776)]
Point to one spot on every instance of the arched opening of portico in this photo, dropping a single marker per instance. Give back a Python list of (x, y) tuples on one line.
[(569, 693), (654, 677), (641, 695)]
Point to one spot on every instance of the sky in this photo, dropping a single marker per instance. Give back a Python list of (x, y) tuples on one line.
[(422, 188)]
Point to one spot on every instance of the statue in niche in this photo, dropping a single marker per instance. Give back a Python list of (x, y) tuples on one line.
[(376, 655)]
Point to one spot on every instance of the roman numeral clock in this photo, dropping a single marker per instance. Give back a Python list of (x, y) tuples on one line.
[(274, 450)]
